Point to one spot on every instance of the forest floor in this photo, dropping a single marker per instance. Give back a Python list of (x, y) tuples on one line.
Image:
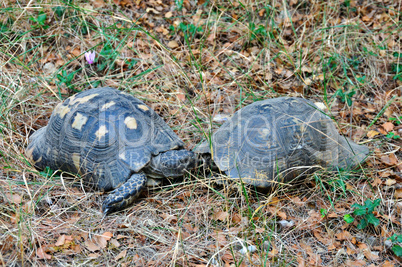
[(195, 63)]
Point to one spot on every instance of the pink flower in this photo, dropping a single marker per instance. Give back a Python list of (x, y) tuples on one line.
[(90, 57)]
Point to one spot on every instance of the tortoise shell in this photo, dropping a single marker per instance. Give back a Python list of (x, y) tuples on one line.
[(103, 134), (276, 140)]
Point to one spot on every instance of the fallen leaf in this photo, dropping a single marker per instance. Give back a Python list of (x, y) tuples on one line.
[(384, 174), (382, 131), (349, 186), (390, 182), (181, 96), (107, 235), (308, 81), (273, 252), (211, 37), (372, 133), (357, 263), (168, 15), (278, 70), (275, 211), (101, 241), (236, 218), (41, 254), (115, 243), (387, 264), (169, 218), (362, 246), (377, 181), (122, 254), (388, 126), (153, 10), (371, 255), (14, 197), (76, 52), (76, 248), (345, 235), (98, 3), (173, 44), (306, 69), (350, 251), (300, 260), (220, 238), (398, 193), (60, 241), (389, 160), (91, 246), (14, 218), (227, 257), (332, 215), (281, 215), (298, 201), (220, 216)]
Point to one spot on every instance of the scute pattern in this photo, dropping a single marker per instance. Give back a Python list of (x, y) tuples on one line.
[(276, 140), (106, 136)]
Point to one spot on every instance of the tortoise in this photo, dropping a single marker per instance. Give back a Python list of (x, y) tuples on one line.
[(113, 140), (277, 140)]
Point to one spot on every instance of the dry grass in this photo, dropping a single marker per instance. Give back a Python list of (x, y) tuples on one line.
[(245, 51)]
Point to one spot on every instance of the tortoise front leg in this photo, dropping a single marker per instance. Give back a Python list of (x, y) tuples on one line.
[(125, 194)]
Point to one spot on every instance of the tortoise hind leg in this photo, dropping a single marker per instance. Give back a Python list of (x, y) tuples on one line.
[(125, 194)]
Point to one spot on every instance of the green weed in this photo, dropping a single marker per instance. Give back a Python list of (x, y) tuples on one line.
[(39, 21), (364, 213), (396, 248), (66, 78), (345, 96)]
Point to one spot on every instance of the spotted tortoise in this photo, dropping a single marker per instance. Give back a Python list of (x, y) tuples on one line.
[(277, 140), (111, 139)]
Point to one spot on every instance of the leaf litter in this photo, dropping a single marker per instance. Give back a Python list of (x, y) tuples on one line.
[(195, 64)]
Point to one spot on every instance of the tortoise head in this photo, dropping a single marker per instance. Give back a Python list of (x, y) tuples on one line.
[(172, 163)]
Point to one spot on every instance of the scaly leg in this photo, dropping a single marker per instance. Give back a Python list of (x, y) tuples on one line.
[(125, 194)]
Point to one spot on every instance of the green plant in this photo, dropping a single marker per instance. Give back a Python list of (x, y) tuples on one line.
[(66, 78), (179, 4), (47, 172), (364, 213), (189, 29), (397, 249), (39, 20), (331, 64), (59, 10), (109, 54), (397, 67), (323, 212), (345, 96), (5, 29), (396, 120), (258, 33), (354, 62), (393, 135)]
